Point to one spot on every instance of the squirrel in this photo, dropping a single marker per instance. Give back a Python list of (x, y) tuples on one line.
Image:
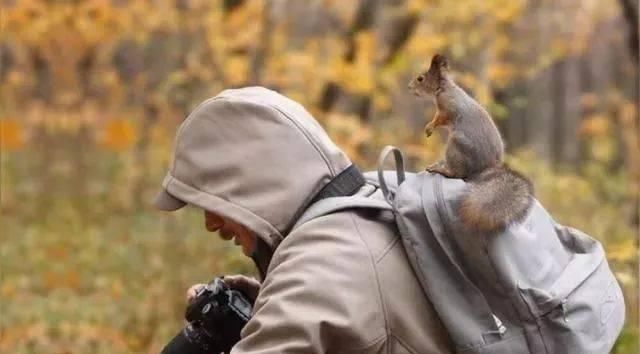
[(495, 196)]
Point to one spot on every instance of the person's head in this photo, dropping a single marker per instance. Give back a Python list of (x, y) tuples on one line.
[(252, 158), (228, 229)]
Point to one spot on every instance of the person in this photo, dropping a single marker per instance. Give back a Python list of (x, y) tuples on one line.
[(254, 161)]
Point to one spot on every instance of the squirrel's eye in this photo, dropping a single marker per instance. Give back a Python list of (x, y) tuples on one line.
[(420, 78)]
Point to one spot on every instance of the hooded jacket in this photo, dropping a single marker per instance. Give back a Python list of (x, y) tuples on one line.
[(339, 283)]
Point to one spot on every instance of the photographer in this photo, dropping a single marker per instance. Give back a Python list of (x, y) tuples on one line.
[(254, 160)]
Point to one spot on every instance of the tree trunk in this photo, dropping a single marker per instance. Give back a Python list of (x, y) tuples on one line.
[(630, 13), (566, 98), (261, 50), (335, 97)]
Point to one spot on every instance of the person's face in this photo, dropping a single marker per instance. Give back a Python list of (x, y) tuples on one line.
[(228, 229)]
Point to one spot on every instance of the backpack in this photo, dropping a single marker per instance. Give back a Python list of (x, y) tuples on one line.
[(537, 287)]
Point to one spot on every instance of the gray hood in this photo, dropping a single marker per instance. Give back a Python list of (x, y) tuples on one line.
[(251, 155)]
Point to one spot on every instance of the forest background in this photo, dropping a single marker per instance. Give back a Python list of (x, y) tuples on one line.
[(91, 93)]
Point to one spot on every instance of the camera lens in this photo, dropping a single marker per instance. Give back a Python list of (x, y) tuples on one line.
[(180, 344)]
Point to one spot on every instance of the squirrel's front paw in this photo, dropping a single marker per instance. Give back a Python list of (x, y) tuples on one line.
[(428, 130)]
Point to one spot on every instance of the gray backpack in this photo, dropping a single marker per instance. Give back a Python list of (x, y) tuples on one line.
[(537, 287)]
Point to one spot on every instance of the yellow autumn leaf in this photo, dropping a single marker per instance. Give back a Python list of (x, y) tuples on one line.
[(236, 69), (623, 251), (625, 278), (500, 73), (348, 132), (118, 135), (11, 135), (365, 46), (354, 77), (424, 44), (381, 102), (507, 11), (416, 6), (7, 290), (595, 125), (50, 279), (117, 288)]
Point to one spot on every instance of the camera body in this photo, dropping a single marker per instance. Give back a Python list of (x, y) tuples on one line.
[(215, 318)]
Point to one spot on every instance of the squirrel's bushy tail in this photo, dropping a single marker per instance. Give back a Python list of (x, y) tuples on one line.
[(495, 198)]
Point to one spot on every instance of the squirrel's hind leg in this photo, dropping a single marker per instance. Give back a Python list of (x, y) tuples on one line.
[(441, 168), (457, 160), (435, 165)]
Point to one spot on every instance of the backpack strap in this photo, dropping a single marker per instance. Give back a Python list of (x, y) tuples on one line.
[(334, 204), (345, 183), (338, 194), (400, 174)]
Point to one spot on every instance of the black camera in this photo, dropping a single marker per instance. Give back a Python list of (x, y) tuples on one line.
[(215, 318)]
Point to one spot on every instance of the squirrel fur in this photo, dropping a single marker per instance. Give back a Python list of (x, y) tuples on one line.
[(495, 196)]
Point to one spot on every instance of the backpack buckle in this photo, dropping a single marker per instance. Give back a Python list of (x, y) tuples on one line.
[(501, 329), (563, 306)]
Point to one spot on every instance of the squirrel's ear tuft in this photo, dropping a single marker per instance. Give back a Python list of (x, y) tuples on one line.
[(439, 61)]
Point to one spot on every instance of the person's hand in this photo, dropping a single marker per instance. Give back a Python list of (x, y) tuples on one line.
[(191, 293), (247, 285)]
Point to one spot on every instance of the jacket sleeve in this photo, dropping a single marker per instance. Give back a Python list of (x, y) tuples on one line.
[(320, 295)]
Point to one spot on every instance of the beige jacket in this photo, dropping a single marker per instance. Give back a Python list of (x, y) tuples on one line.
[(340, 283)]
